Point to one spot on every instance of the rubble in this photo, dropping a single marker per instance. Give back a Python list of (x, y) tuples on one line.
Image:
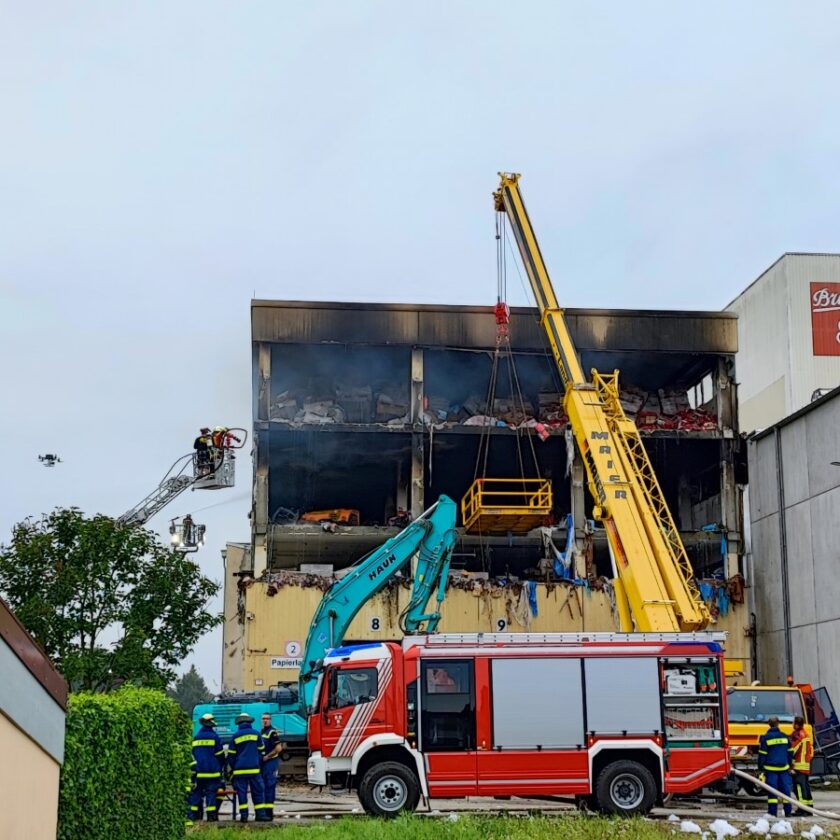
[(387, 404)]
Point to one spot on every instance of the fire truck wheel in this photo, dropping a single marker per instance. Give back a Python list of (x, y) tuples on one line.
[(625, 787), (387, 789)]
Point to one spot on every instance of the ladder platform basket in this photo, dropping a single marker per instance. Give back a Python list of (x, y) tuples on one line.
[(506, 505)]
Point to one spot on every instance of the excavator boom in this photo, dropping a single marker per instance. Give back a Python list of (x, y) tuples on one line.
[(654, 582), (431, 537)]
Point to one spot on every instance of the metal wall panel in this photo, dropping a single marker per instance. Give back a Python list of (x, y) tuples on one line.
[(475, 327), (622, 694), (537, 703), (811, 494)]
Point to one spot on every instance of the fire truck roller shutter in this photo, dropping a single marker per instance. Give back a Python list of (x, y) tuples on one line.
[(537, 703), (622, 695)]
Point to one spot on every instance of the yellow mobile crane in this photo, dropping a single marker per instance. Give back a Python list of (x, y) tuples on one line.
[(653, 579)]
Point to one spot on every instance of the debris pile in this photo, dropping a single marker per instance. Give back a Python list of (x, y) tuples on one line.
[(667, 409), (332, 403), (388, 404)]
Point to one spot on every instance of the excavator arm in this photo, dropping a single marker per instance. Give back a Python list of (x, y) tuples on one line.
[(655, 589), (432, 538)]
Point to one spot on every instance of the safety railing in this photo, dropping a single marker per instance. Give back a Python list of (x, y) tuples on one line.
[(506, 504)]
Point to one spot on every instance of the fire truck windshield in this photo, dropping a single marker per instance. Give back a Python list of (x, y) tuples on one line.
[(351, 686), (747, 705)]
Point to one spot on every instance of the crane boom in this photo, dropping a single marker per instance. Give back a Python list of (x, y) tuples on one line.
[(654, 583)]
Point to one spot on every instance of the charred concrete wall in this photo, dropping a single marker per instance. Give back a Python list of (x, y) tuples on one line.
[(377, 408)]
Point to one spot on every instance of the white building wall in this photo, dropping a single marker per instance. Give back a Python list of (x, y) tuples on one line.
[(775, 367), (808, 371), (762, 361)]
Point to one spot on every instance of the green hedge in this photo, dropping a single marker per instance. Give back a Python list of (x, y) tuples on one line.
[(126, 767)]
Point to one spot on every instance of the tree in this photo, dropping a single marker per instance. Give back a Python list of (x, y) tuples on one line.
[(190, 690), (109, 603)]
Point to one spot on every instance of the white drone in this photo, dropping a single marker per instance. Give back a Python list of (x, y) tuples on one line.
[(49, 460)]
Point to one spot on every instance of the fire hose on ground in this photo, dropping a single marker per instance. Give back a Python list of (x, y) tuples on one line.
[(829, 815)]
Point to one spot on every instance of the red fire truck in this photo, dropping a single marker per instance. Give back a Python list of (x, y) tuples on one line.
[(616, 720)]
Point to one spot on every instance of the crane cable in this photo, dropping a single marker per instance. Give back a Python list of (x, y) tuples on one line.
[(503, 348)]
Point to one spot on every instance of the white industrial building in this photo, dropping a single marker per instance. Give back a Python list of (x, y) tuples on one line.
[(788, 337), (788, 371)]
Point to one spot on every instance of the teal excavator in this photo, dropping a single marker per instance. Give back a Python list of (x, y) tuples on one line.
[(430, 539)]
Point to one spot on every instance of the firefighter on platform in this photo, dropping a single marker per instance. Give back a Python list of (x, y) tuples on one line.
[(202, 445), (245, 753), (271, 763), (803, 752), (223, 437), (209, 756), (774, 754)]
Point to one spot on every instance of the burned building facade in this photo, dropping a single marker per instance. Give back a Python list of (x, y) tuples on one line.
[(364, 414)]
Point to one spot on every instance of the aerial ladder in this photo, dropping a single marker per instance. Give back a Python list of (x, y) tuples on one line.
[(653, 579), (216, 471)]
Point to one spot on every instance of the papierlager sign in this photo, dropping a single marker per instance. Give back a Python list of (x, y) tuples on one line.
[(286, 662)]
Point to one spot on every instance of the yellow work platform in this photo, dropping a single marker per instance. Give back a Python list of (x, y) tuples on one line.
[(506, 505)]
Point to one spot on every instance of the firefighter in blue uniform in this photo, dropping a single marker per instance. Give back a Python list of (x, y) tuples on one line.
[(209, 757), (271, 764), (245, 753), (774, 757)]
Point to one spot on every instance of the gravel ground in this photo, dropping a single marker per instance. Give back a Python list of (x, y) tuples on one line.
[(302, 802)]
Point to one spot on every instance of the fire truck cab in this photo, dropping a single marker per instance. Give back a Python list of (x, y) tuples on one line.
[(616, 720)]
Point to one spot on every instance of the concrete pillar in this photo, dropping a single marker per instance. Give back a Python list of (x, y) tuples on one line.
[(262, 386), (578, 483), (259, 510), (418, 448), (731, 510)]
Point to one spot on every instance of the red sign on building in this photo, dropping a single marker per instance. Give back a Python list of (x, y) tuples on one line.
[(825, 318)]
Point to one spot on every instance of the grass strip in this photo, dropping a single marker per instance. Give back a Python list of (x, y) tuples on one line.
[(471, 827)]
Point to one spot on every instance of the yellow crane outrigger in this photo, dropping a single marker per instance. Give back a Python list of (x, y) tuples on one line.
[(653, 578)]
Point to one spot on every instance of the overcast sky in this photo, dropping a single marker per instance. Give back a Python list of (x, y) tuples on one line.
[(162, 163)]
